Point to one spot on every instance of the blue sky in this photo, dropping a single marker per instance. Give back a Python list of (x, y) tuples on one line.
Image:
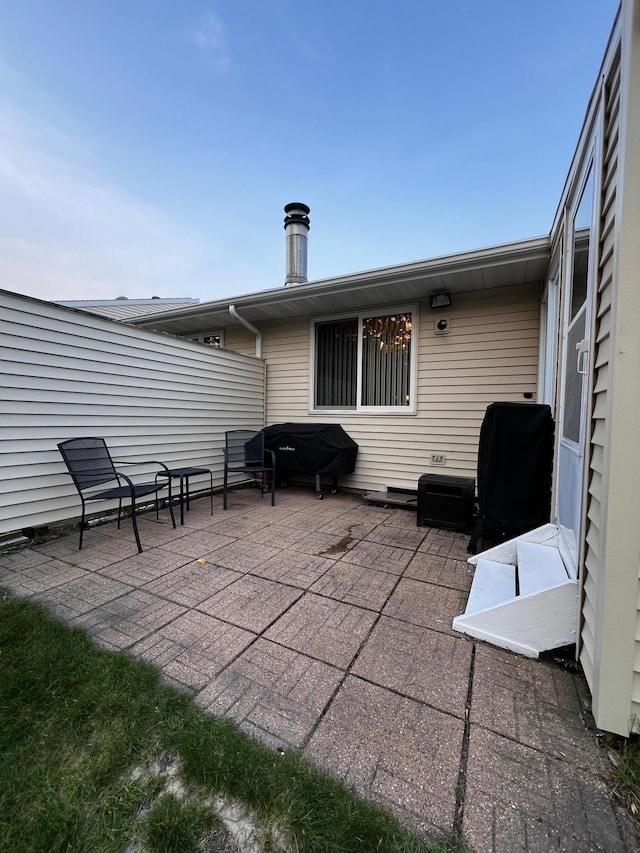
[(149, 146)]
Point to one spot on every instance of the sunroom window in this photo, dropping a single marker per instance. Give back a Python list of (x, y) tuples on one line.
[(365, 362)]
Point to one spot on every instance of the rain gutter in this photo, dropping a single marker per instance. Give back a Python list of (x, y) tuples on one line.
[(247, 324)]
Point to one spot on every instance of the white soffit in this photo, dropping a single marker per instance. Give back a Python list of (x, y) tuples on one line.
[(485, 269)]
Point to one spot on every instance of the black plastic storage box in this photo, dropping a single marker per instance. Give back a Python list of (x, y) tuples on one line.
[(445, 501)]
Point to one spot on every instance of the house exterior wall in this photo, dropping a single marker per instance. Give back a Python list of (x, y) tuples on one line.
[(67, 373), (609, 624), (624, 511), (616, 647), (595, 522), (489, 355)]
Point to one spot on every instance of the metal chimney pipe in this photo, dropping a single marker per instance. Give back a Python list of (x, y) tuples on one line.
[(296, 228)]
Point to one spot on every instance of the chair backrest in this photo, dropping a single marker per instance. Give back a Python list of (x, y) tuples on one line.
[(88, 461), (244, 446)]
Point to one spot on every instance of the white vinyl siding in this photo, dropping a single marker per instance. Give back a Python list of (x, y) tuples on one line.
[(68, 373), (490, 354)]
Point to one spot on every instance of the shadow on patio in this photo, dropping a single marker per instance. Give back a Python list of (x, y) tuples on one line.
[(326, 627)]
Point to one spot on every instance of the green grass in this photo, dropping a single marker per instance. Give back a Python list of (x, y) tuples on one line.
[(95, 753), (176, 826), (624, 755)]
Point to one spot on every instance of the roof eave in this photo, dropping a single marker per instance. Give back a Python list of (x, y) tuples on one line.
[(280, 301)]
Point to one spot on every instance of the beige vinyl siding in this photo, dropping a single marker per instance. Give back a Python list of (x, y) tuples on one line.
[(634, 716), (593, 568), (67, 373), (286, 351), (607, 235), (593, 555), (490, 354), (239, 339), (623, 542), (635, 694), (610, 629)]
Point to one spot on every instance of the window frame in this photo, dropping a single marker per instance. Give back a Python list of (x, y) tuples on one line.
[(200, 338), (360, 316)]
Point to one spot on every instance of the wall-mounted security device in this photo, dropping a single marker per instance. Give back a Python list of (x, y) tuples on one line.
[(440, 300), (441, 326)]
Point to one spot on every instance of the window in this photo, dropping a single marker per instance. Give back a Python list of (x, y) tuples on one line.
[(577, 334), (213, 339), (365, 362), (548, 348)]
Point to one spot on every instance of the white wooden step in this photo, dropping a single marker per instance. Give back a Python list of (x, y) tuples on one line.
[(505, 552), (545, 613), (492, 584), (539, 567)]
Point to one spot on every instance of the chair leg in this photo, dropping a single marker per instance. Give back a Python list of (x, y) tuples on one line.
[(81, 526), (173, 518), (135, 526), (182, 500), (169, 498), (211, 490), (273, 487), (119, 512), (224, 489)]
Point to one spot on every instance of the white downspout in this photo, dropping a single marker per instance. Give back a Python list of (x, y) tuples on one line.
[(247, 324)]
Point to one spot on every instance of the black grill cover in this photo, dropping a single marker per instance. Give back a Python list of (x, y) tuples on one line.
[(515, 458), (311, 448)]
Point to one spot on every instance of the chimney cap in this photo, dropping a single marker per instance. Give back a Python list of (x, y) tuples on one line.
[(297, 212), (297, 205)]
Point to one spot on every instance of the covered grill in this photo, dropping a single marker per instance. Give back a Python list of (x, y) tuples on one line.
[(310, 448), (515, 464)]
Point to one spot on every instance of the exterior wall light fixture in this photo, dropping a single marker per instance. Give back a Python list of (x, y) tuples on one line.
[(440, 300)]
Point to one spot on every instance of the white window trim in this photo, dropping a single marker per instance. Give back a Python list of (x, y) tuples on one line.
[(549, 329), (359, 409)]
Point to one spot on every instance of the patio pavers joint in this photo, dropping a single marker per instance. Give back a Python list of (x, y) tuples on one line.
[(461, 787)]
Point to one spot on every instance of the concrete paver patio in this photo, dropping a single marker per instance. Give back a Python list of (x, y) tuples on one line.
[(326, 627)]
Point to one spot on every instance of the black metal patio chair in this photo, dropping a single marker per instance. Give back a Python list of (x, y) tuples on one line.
[(90, 464), (244, 452), (183, 475)]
